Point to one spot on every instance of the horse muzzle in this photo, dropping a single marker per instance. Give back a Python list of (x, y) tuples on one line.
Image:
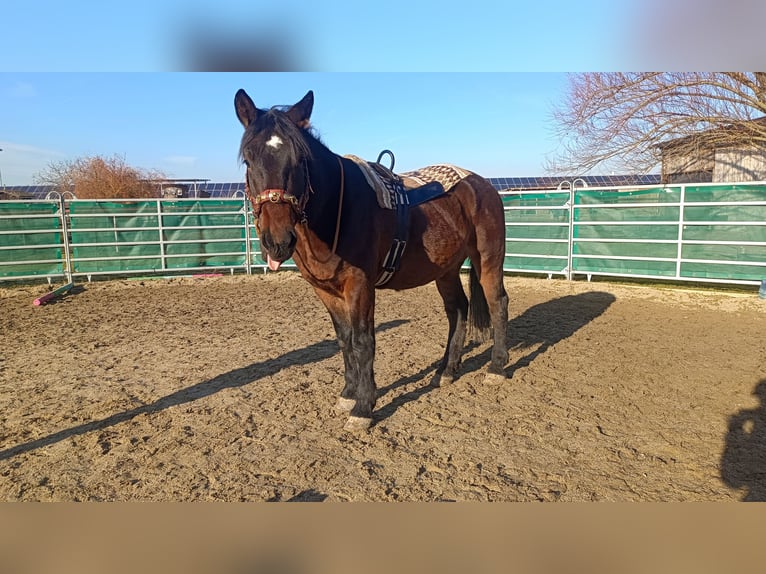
[(274, 253)]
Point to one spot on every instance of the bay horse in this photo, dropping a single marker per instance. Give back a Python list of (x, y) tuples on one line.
[(319, 208)]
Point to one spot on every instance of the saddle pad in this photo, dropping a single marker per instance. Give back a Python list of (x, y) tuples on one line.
[(383, 180), (446, 174), (379, 178)]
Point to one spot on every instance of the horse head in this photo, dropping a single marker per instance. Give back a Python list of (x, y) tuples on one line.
[(276, 155)]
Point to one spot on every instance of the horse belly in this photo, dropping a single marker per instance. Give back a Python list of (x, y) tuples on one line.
[(437, 244)]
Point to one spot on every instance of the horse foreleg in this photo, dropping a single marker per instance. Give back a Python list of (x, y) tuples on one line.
[(346, 400), (341, 323), (360, 303), (353, 320)]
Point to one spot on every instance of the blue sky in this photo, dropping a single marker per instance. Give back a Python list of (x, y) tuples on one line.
[(66, 89), (184, 124), (331, 35), (391, 36)]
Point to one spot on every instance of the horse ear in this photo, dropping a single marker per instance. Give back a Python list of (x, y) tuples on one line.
[(300, 113), (245, 108)]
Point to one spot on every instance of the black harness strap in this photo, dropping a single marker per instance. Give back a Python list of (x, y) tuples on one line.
[(401, 233), (404, 199), (401, 199)]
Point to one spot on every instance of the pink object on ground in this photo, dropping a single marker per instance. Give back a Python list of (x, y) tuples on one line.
[(53, 294)]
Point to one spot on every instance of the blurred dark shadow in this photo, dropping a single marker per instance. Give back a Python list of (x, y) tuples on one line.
[(263, 44), (743, 463), (310, 495), (237, 55), (715, 35), (272, 561)]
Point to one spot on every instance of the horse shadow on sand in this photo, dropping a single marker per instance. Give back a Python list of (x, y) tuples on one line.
[(535, 331), (313, 353), (743, 463)]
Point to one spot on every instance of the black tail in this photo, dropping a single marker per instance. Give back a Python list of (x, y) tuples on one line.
[(479, 321)]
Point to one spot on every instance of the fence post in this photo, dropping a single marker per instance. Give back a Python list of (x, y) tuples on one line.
[(570, 215), (248, 252), (679, 250), (68, 269), (573, 201), (161, 232)]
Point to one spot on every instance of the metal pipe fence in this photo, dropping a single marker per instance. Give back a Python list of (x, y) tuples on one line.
[(696, 232), (712, 233)]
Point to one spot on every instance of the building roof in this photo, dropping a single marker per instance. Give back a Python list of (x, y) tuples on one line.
[(720, 136)]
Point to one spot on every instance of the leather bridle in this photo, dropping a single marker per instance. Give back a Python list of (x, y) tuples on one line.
[(274, 196), (277, 195)]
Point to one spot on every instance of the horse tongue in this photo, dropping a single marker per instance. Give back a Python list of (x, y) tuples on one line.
[(273, 265)]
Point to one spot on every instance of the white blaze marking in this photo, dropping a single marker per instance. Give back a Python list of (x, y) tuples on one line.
[(275, 141)]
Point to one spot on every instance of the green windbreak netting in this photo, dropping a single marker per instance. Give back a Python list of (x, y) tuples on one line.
[(626, 232), (204, 234), (152, 235), (718, 234), (31, 242), (624, 266), (724, 193), (115, 236), (741, 227), (725, 232), (628, 196), (723, 271), (537, 231), (621, 248), (632, 232)]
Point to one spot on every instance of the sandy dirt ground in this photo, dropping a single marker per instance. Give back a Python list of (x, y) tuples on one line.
[(224, 389)]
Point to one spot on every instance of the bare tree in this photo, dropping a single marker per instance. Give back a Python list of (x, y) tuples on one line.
[(626, 119), (100, 177)]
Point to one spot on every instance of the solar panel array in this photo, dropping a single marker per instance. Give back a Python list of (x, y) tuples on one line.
[(212, 190), (26, 191), (523, 183), (221, 190)]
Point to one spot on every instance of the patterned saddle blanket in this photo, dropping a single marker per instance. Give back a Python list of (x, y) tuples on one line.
[(419, 186), (399, 193)]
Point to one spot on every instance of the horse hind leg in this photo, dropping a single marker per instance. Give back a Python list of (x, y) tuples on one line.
[(493, 290), (456, 305), (488, 297)]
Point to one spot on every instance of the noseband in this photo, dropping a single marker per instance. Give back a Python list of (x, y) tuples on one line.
[(274, 196), (277, 195)]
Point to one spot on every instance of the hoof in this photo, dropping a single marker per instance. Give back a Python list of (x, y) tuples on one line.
[(445, 381), (345, 405), (356, 424), (494, 379)]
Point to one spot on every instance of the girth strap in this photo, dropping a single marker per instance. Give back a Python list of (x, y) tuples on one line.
[(401, 233)]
